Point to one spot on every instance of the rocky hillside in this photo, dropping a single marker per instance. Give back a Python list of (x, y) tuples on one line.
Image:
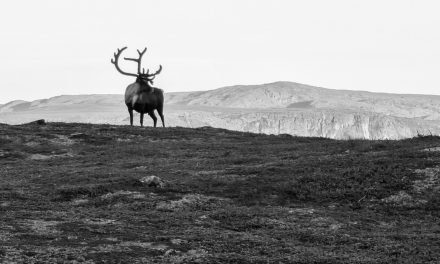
[(331, 124), (276, 108)]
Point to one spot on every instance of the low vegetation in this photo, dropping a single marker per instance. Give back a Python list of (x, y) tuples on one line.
[(73, 193)]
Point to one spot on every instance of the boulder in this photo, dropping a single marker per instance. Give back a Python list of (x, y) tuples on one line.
[(152, 181), (39, 122)]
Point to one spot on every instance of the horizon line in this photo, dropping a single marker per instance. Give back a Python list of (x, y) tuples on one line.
[(262, 84)]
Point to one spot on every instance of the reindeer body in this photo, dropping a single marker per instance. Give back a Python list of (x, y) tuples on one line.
[(141, 96)]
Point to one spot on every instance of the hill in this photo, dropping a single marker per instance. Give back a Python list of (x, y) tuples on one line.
[(275, 108), (77, 193), (301, 96)]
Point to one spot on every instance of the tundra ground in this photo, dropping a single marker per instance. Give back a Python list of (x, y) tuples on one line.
[(71, 193)]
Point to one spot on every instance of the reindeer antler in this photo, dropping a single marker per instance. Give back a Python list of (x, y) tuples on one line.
[(157, 72), (151, 77), (115, 61), (146, 75), (138, 60)]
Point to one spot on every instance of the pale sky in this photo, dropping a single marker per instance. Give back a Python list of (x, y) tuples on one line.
[(54, 47)]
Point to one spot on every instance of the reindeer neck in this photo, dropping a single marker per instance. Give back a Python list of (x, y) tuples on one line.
[(145, 86)]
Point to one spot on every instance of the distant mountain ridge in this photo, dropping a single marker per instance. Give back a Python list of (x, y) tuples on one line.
[(274, 108), (295, 95)]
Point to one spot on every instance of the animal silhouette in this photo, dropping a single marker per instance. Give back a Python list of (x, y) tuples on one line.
[(141, 96)]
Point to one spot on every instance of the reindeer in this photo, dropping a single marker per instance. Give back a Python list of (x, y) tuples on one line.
[(140, 95)]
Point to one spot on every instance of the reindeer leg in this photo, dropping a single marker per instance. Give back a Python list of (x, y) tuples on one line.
[(160, 111), (153, 116), (130, 111), (142, 119)]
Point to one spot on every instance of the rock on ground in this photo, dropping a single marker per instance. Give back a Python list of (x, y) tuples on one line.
[(153, 181)]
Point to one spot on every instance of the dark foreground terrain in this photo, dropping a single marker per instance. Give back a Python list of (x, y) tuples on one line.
[(72, 193)]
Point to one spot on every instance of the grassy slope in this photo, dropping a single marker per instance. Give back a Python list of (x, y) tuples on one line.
[(230, 197)]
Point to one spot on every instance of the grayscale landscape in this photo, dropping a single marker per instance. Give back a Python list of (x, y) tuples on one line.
[(274, 108), (221, 131)]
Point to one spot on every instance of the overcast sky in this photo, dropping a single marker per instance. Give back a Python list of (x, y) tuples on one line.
[(54, 47)]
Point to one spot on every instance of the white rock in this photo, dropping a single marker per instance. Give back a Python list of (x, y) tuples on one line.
[(153, 181)]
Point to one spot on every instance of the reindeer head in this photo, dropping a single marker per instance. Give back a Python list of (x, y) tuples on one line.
[(141, 77)]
